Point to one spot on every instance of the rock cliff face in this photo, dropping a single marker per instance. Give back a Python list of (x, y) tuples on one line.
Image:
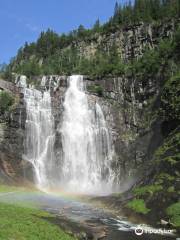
[(125, 104), (130, 41), (12, 131)]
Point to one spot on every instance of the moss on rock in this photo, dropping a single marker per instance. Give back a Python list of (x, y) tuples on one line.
[(138, 206), (173, 211)]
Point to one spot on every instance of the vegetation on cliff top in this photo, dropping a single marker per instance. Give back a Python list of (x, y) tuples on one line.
[(58, 54)]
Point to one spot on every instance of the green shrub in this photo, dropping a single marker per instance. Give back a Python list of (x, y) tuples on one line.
[(163, 177), (148, 64), (95, 89), (6, 101), (138, 205), (149, 189), (168, 152), (171, 189), (177, 44), (166, 176), (173, 211), (170, 100)]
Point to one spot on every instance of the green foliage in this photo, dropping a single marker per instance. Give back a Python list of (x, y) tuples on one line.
[(168, 153), (173, 211), (165, 49), (47, 44), (5, 72), (175, 220), (177, 44), (21, 223), (148, 189), (166, 176), (29, 68), (148, 64), (138, 205), (58, 54), (154, 60), (95, 89), (170, 99), (143, 10), (171, 189), (81, 32), (6, 101), (7, 188), (97, 26)]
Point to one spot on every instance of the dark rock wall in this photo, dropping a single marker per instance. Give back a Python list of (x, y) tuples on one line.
[(128, 109), (12, 132)]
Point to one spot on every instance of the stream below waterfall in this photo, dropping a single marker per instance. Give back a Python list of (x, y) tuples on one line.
[(79, 213)]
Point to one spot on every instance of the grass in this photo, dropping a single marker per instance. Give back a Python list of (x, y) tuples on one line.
[(7, 188), (138, 206), (20, 223), (173, 211)]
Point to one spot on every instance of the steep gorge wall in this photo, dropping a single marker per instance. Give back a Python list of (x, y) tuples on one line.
[(130, 41)]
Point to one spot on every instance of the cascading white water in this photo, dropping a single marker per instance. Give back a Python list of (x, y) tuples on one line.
[(86, 143), (87, 148), (39, 142)]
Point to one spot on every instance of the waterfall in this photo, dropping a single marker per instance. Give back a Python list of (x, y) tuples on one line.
[(39, 142), (87, 148), (84, 164)]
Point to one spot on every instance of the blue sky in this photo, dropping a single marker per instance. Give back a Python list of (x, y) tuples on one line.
[(23, 20)]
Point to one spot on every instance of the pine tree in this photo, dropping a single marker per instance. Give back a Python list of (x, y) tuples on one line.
[(116, 9), (96, 25), (81, 32)]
